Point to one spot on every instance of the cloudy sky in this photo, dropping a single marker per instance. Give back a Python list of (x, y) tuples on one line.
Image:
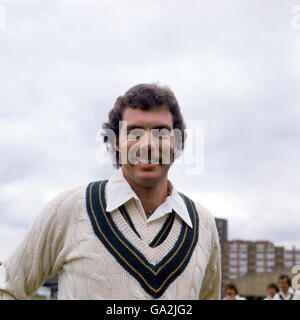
[(233, 65)]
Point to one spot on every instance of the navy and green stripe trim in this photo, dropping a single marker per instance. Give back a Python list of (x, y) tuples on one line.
[(128, 219), (164, 232), (154, 279), (161, 235)]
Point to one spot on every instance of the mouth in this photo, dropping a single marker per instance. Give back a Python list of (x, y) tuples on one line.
[(148, 165), (148, 162)]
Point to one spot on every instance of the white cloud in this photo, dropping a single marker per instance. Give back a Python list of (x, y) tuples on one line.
[(233, 66), (255, 216)]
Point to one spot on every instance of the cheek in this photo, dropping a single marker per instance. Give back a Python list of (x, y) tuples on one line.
[(130, 152), (166, 148), (125, 144)]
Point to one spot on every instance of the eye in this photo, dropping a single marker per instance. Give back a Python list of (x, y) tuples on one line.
[(135, 133), (161, 133)]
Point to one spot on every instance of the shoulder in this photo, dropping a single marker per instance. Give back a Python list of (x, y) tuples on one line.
[(297, 294), (207, 225), (205, 216), (207, 222), (68, 196), (67, 205), (58, 207)]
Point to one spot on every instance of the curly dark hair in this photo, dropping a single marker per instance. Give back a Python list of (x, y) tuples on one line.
[(274, 286), (144, 97), (232, 286), (285, 276)]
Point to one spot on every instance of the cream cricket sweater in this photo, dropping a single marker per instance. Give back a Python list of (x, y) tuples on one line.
[(63, 239)]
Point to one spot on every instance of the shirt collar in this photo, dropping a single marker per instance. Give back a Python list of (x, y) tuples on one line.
[(119, 192), (289, 293), (291, 290)]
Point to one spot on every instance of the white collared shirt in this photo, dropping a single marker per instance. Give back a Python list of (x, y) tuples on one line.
[(291, 292), (119, 191), (275, 297), (237, 297)]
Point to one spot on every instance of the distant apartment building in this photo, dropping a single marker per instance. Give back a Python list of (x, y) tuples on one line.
[(291, 257), (242, 257), (235, 259)]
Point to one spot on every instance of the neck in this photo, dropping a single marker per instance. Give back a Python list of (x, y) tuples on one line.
[(285, 291), (151, 196)]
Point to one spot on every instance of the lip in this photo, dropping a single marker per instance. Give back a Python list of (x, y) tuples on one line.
[(147, 165)]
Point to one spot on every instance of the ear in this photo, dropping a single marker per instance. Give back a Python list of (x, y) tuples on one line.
[(117, 144)]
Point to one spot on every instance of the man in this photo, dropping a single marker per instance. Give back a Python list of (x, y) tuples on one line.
[(272, 290), (286, 291), (133, 236), (231, 292)]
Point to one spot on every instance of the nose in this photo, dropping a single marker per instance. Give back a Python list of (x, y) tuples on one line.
[(147, 139), (149, 146)]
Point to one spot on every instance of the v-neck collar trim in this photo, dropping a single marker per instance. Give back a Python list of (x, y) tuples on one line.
[(154, 278), (162, 233)]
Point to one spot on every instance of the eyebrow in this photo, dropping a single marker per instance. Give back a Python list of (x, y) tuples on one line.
[(160, 127)]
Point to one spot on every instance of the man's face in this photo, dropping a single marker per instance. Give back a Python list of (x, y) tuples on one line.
[(230, 293), (283, 284), (145, 136), (271, 292)]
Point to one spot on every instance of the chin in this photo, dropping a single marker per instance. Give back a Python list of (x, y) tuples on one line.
[(150, 172)]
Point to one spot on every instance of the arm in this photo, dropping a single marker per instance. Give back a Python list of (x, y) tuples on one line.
[(211, 288), (211, 285), (38, 256)]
